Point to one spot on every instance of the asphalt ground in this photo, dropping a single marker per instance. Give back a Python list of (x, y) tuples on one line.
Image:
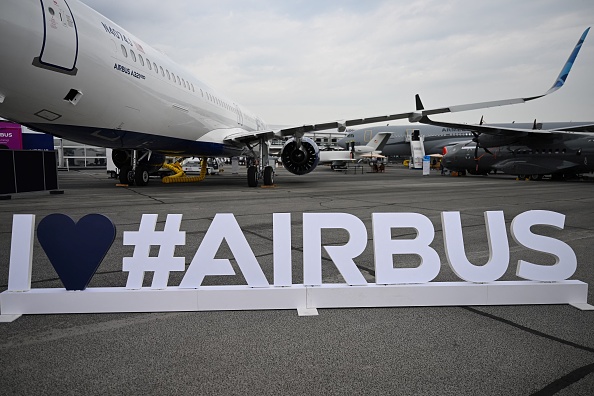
[(487, 350)]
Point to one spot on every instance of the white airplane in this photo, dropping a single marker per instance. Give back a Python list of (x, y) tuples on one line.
[(356, 153), (69, 71)]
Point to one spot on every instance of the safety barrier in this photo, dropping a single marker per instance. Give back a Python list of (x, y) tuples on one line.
[(27, 170)]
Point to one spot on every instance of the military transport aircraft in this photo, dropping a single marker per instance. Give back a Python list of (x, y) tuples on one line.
[(533, 153), (435, 137), (69, 71)]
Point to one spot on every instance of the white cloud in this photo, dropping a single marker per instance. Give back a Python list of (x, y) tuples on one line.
[(306, 61)]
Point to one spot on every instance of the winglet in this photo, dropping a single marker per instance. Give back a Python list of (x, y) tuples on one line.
[(558, 84), (567, 67), (419, 103)]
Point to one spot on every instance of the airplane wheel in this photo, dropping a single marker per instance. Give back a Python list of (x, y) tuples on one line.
[(126, 175), (536, 177), (252, 174), (268, 176), (141, 176)]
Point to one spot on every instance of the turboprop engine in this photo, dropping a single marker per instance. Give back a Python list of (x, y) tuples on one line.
[(301, 157), (487, 141)]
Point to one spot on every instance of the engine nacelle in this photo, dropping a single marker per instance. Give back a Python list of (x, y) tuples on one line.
[(300, 159), (154, 163), (488, 141), (123, 158)]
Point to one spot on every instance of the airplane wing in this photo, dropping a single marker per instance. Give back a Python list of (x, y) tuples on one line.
[(241, 137), (417, 115), (587, 129)]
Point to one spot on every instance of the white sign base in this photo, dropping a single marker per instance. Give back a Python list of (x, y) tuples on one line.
[(299, 297), (9, 318), (583, 306)]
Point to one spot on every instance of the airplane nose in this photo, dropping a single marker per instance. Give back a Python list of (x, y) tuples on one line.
[(21, 39)]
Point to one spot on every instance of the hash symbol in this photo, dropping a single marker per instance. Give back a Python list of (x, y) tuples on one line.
[(143, 239)]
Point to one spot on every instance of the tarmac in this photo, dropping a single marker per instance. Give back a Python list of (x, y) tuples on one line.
[(457, 350)]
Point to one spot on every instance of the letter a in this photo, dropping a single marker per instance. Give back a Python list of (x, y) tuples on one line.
[(223, 227)]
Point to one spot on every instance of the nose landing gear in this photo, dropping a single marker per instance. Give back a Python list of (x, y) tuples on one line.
[(261, 171)]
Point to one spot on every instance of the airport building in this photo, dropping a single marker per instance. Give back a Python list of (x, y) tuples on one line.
[(77, 155)]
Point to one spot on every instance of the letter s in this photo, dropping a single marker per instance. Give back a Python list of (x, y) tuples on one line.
[(565, 259)]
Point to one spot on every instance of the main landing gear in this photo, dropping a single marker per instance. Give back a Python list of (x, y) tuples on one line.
[(261, 171), (135, 166)]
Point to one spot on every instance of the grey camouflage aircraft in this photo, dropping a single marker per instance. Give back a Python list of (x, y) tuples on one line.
[(527, 153)]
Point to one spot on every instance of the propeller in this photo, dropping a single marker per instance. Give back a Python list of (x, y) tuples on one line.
[(476, 139)]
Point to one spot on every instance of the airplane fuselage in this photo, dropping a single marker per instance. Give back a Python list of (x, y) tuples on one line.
[(69, 71)]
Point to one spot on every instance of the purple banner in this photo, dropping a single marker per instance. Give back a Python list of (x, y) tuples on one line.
[(10, 136)]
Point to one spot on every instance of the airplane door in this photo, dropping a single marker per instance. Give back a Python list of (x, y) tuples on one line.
[(239, 115), (60, 38), (367, 136)]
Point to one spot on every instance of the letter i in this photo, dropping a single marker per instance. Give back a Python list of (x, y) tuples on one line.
[(281, 234)]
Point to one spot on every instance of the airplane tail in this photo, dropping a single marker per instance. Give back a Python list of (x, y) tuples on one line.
[(379, 141)]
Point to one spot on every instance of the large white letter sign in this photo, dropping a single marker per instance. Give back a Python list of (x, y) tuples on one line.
[(385, 247), (143, 239), (342, 256), (223, 226), (281, 235), (21, 252), (398, 283), (565, 259), (498, 248)]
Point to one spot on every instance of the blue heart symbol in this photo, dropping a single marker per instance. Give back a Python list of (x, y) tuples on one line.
[(76, 249)]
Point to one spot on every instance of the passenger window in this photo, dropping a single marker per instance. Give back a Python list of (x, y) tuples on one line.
[(162, 72), (133, 55), (148, 63), (156, 68), (168, 75), (141, 59), (124, 51), (178, 80), (173, 76)]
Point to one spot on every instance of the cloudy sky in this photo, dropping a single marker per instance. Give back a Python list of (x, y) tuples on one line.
[(304, 61)]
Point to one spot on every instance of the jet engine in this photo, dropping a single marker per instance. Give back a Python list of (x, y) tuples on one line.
[(300, 157), (123, 159)]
